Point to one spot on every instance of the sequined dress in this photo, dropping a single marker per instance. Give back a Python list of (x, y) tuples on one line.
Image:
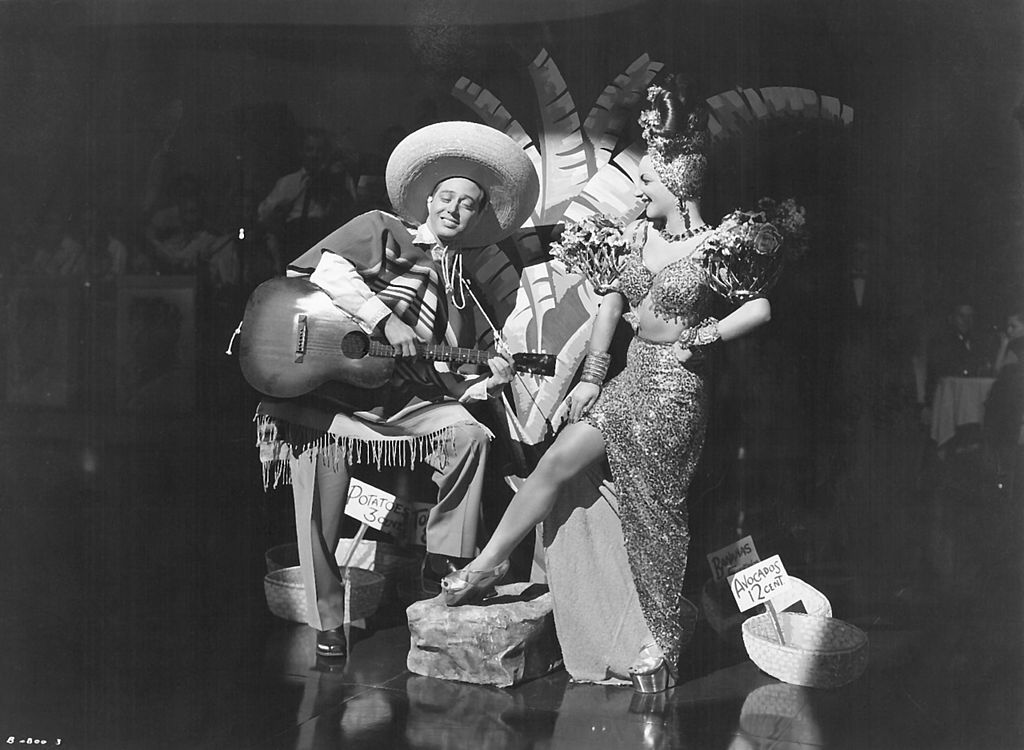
[(652, 417)]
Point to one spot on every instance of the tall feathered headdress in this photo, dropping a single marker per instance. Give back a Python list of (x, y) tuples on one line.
[(675, 126)]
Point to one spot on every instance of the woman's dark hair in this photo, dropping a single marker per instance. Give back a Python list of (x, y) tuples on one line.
[(682, 110)]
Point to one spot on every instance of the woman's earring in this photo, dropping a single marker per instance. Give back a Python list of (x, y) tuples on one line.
[(685, 212)]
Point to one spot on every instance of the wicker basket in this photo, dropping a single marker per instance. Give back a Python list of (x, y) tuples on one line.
[(727, 623), (282, 556), (377, 556), (819, 651), (286, 594)]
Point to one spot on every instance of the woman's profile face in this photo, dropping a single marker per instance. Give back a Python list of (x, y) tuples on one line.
[(1015, 326), (658, 200)]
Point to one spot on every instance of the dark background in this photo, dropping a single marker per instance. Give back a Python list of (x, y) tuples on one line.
[(930, 175)]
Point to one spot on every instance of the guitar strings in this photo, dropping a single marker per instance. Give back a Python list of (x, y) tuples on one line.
[(453, 352), (499, 338), (445, 354)]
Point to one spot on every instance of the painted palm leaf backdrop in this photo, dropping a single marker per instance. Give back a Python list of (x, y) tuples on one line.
[(586, 167)]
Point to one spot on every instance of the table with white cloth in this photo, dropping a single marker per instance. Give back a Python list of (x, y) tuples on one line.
[(958, 402)]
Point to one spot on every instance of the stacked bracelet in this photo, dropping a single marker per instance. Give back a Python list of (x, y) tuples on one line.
[(700, 335), (707, 332), (595, 367)]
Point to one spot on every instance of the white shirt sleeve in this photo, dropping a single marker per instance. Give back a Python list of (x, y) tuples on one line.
[(475, 392), (340, 279)]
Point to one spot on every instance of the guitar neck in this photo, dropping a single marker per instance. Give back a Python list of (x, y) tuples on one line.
[(437, 352)]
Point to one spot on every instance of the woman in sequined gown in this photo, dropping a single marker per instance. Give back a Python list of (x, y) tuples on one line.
[(616, 557)]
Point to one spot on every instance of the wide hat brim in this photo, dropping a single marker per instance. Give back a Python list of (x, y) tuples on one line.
[(464, 149)]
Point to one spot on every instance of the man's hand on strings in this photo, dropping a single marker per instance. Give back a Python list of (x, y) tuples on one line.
[(501, 373), (400, 336)]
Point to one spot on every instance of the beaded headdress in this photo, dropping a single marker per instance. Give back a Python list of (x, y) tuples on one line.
[(675, 126)]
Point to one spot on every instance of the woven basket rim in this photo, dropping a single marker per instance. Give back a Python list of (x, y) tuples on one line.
[(287, 598), (369, 577), (364, 573), (748, 632), (280, 576), (282, 545), (274, 577)]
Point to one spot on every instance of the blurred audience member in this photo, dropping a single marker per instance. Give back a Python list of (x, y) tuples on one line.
[(90, 239), (309, 204), (179, 242), (82, 244), (1004, 408), (52, 254), (955, 351), (164, 218), (1011, 342)]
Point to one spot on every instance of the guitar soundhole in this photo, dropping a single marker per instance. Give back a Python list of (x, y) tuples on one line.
[(355, 345)]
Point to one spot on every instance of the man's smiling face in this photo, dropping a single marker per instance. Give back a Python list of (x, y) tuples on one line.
[(453, 208)]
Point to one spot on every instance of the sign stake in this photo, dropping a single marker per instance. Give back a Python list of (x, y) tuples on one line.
[(348, 585), (775, 621), (759, 584), (352, 550)]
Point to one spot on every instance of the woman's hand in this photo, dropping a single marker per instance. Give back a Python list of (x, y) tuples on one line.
[(683, 353), (581, 398), (400, 336)]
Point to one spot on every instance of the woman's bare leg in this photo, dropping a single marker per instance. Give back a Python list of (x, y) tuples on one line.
[(578, 446)]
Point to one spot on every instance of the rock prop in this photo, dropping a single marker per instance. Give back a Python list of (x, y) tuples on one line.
[(508, 639)]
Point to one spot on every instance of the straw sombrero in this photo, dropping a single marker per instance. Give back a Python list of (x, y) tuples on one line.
[(464, 149)]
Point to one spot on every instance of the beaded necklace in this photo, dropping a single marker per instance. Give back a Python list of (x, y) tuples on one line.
[(685, 234)]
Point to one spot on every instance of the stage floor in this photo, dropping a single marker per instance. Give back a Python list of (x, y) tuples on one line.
[(133, 616)]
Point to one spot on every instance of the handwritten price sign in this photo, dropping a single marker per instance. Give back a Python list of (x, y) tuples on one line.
[(760, 583), (736, 556), (376, 508), (416, 528)]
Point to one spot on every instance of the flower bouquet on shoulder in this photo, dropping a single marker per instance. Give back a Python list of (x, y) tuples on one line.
[(745, 254), (594, 247)]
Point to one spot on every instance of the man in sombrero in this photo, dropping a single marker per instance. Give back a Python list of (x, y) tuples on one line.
[(456, 186)]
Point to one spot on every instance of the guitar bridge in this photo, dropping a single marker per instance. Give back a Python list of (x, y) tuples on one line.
[(301, 334)]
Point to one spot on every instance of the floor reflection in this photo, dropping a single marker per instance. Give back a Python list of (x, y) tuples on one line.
[(371, 718), (449, 714), (601, 716), (778, 716), (371, 701), (148, 629)]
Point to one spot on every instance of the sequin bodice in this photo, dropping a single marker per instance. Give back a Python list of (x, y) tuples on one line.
[(677, 291)]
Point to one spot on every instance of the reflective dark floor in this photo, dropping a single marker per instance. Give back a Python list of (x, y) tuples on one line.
[(133, 616)]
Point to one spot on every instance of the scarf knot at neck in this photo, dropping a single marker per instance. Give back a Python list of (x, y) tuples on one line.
[(451, 273)]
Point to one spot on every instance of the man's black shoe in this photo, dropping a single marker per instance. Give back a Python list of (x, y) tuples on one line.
[(332, 642)]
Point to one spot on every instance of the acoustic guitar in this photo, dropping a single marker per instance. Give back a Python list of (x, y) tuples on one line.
[(294, 340)]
